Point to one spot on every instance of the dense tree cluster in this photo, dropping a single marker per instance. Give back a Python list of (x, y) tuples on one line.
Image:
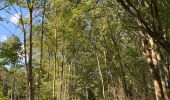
[(87, 50)]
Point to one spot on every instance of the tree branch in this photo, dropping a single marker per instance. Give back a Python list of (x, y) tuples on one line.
[(155, 35)]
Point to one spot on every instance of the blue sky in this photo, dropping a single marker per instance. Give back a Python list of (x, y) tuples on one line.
[(7, 29)]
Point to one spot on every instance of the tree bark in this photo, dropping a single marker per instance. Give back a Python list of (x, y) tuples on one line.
[(55, 65), (62, 75), (152, 60), (156, 34), (101, 76), (41, 47), (30, 77), (54, 77)]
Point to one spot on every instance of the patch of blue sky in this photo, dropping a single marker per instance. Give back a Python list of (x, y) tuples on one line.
[(11, 14)]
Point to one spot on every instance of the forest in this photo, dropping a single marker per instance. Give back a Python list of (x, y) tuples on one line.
[(84, 49)]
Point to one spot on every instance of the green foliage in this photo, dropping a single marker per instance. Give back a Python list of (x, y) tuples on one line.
[(10, 50), (98, 54)]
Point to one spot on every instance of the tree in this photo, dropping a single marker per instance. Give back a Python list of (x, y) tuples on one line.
[(88, 49), (30, 4), (11, 55)]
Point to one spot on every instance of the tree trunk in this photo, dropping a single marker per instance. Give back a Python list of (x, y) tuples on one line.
[(30, 77), (25, 44), (101, 77), (153, 60), (55, 65), (62, 76), (49, 66), (41, 47), (54, 77)]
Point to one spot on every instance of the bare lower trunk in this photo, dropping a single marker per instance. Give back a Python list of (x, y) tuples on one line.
[(68, 82), (25, 44), (152, 58), (101, 77), (62, 76), (54, 78), (41, 46), (49, 66), (30, 77)]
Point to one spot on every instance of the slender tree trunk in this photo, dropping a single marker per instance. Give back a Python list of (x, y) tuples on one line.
[(23, 29), (62, 76), (101, 77), (54, 77), (59, 80), (13, 88), (49, 66), (55, 65), (106, 74), (65, 87), (68, 81), (25, 41), (41, 55), (30, 77), (152, 60), (73, 81), (14, 83)]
